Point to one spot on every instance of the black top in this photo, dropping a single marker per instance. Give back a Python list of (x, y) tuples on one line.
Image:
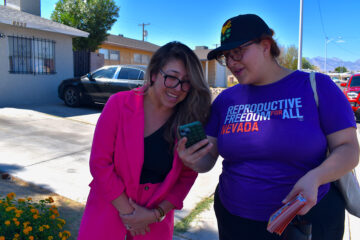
[(158, 158)]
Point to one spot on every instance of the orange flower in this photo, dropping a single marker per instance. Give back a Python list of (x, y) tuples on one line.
[(8, 209), (27, 230), (2, 238), (61, 220), (33, 210), (50, 237), (7, 222), (29, 198), (26, 224), (54, 211), (52, 216), (20, 200), (17, 235), (31, 238), (17, 223), (67, 233), (11, 195), (36, 216)]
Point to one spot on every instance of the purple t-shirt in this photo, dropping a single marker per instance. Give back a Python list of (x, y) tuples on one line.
[(270, 136)]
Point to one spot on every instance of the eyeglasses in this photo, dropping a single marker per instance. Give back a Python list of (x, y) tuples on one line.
[(235, 54), (173, 82)]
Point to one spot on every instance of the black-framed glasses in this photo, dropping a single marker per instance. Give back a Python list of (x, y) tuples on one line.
[(172, 82), (235, 54)]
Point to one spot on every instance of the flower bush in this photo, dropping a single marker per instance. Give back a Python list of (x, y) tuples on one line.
[(23, 219)]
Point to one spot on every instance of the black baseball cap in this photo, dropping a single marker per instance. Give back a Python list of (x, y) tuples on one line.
[(239, 30)]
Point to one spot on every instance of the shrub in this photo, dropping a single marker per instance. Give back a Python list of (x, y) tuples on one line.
[(23, 219)]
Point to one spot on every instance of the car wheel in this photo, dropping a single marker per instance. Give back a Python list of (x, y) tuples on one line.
[(72, 97)]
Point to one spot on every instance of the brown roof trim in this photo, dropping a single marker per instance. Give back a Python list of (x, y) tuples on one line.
[(131, 43)]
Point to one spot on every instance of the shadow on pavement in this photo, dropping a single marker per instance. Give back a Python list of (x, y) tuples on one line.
[(61, 110), (198, 234), (10, 168)]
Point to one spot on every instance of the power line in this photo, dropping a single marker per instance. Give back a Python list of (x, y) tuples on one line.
[(321, 19), (347, 50)]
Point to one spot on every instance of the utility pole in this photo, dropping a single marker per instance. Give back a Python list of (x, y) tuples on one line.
[(300, 36), (143, 29)]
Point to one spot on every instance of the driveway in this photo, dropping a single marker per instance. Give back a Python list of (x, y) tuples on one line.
[(49, 144)]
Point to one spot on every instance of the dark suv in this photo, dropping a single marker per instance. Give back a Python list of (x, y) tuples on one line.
[(98, 86)]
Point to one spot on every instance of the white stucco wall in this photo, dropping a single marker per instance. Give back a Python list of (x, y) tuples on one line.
[(220, 78), (29, 89)]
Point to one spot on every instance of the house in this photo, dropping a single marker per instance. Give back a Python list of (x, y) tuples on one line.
[(35, 54), (215, 73), (118, 49)]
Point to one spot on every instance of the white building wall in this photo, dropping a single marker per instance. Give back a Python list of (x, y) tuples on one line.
[(29, 89), (220, 78)]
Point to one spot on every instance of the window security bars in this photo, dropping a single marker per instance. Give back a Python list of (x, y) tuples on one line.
[(31, 55)]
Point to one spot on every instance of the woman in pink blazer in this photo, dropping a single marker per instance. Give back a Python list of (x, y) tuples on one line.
[(138, 178)]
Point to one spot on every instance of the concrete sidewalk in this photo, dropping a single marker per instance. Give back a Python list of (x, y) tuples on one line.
[(52, 151)]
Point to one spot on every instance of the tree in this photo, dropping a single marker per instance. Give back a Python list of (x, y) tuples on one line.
[(306, 64), (289, 58), (93, 16), (341, 69)]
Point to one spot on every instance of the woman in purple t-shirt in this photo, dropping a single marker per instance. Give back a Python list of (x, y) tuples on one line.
[(274, 139)]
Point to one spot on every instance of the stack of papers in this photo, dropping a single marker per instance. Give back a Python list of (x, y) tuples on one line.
[(282, 217)]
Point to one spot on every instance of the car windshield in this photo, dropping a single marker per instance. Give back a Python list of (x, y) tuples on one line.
[(355, 81)]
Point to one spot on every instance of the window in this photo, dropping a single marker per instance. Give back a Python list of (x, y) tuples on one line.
[(141, 58), (114, 55), (105, 52), (141, 77), (145, 59), (105, 73), (137, 58), (31, 55), (128, 73), (355, 81)]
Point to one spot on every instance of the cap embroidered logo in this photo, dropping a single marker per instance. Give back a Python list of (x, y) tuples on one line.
[(226, 31)]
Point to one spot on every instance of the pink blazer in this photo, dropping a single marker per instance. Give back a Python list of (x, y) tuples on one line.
[(116, 161)]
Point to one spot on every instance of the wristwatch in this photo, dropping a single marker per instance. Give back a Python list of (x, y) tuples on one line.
[(161, 212)]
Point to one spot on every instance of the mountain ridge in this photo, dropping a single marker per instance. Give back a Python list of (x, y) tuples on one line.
[(332, 63)]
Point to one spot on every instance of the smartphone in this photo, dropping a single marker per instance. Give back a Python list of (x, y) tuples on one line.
[(194, 132)]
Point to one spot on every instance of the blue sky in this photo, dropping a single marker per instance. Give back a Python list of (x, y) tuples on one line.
[(198, 22)]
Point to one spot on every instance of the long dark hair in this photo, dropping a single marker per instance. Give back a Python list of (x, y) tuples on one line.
[(196, 105)]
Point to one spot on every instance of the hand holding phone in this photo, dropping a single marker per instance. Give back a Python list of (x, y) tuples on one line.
[(194, 132)]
